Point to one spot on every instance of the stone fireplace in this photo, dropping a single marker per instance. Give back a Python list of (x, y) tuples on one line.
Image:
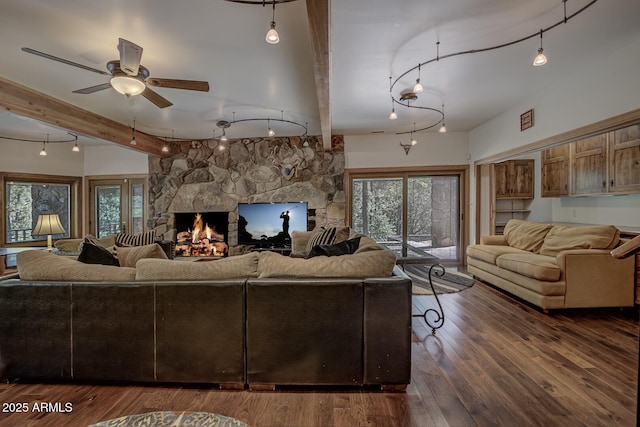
[(199, 177)]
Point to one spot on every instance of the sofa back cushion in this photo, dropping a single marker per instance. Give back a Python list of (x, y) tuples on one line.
[(45, 266), (373, 263), (128, 256), (233, 267), (564, 237), (525, 235)]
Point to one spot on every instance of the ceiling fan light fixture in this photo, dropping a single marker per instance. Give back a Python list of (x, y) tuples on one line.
[(126, 85)]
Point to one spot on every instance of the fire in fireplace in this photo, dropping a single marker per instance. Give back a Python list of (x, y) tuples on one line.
[(202, 234)]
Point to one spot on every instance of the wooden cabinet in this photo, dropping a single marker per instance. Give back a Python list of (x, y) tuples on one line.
[(514, 179), (589, 165), (555, 171), (602, 164), (624, 160)]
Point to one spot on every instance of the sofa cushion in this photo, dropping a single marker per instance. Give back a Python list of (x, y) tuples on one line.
[(346, 247), (489, 253), (75, 245), (140, 239), (129, 256), (535, 266), (233, 267), (45, 266), (376, 263), (96, 254), (525, 235), (563, 237), (328, 236)]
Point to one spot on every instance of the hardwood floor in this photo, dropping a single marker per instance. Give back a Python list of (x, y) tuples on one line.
[(496, 361)]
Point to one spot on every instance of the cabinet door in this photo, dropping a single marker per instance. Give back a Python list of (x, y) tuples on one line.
[(555, 171), (522, 179), (589, 160), (501, 174), (624, 160)]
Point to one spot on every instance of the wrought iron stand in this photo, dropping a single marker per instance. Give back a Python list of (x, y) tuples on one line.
[(439, 315)]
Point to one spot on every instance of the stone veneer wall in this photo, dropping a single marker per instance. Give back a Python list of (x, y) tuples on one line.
[(200, 177)]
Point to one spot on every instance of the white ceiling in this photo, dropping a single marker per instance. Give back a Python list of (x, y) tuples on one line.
[(370, 40)]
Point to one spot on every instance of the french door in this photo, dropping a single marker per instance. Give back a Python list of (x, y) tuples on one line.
[(412, 213), (117, 205)]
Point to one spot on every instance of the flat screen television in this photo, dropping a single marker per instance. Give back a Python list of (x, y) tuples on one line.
[(270, 224)]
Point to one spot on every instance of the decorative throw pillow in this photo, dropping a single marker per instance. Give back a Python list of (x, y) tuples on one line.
[(328, 236), (346, 247), (140, 239), (96, 254)]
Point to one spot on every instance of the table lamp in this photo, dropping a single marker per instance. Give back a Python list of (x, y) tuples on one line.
[(48, 224)]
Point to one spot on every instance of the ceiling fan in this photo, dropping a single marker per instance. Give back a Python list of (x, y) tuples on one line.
[(129, 77)]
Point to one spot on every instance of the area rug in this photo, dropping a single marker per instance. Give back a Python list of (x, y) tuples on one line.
[(173, 419), (452, 281)]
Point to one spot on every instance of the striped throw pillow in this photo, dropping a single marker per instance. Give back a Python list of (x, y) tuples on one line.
[(141, 239), (324, 236)]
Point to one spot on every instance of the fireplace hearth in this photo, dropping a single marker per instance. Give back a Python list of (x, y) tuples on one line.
[(202, 234)]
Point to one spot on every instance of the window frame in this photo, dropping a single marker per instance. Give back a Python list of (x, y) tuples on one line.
[(75, 203)]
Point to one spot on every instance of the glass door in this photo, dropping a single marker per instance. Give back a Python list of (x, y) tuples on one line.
[(117, 206), (412, 214)]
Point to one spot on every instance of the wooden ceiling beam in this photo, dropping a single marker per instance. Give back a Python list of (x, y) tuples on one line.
[(318, 16), (27, 102)]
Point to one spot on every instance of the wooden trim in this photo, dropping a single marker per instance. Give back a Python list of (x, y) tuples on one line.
[(26, 102), (318, 17), (612, 123), (405, 172)]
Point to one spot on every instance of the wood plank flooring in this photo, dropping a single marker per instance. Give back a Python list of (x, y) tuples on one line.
[(496, 362)]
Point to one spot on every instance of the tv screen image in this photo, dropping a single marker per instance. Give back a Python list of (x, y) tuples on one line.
[(270, 224)]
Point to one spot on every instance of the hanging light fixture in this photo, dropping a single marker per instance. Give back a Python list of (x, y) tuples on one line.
[(418, 87), (43, 152), (540, 58), (443, 128), (223, 138), (270, 132), (75, 148), (393, 115), (413, 139), (272, 35), (133, 134)]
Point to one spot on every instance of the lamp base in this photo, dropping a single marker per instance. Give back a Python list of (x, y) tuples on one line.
[(49, 243)]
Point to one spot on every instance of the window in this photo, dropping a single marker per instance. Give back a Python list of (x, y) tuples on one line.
[(412, 213), (27, 196)]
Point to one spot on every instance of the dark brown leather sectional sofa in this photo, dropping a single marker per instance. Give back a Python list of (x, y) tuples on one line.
[(234, 332)]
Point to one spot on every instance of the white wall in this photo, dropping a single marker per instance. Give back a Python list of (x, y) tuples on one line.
[(608, 88), (114, 160), (379, 151), (24, 157)]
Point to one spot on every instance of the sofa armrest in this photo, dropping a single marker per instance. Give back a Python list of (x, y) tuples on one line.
[(493, 240), (596, 279)]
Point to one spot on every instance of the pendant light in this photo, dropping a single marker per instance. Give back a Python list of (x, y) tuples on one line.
[(43, 152), (540, 58), (133, 134), (443, 128), (270, 132), (393, 115), (75, 148), (272, 35), (418, 87), (414, 141)]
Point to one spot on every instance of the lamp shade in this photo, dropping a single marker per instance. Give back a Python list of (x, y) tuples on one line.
[(48, 224)]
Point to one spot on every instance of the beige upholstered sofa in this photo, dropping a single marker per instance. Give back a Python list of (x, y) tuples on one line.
[(556, 266)]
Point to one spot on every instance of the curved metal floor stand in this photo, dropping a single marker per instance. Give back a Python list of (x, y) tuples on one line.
[(439, 315)]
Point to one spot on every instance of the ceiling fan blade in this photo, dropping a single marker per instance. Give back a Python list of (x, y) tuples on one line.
[(179, 84), (88, 90), (156, 99), (64, 61), (130, 55)]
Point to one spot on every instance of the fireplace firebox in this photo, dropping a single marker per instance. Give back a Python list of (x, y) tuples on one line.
[(202, 234)]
